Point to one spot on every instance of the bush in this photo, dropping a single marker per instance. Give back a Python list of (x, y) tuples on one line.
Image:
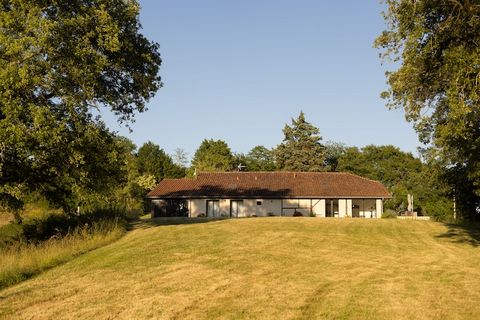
[(297, 214), (389, 214), (10, 234), (56, 226)]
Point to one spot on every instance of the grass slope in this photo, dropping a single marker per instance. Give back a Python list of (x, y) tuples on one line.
[(264, 268), (22, 261)]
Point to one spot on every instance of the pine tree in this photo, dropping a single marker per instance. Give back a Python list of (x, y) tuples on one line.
[(301, 149)]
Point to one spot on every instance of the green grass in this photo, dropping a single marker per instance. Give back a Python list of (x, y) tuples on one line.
[(264, 268), (21, 261)]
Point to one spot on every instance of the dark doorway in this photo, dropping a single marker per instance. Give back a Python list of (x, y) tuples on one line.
[(331, 207)]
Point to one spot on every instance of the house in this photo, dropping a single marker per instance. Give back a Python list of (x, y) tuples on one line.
[(244, 194)]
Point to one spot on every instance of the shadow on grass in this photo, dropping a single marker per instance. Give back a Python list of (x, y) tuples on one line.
[(155, 222), (462, 233)]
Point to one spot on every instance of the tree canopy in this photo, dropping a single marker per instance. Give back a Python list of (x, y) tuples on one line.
[(301, 149), (61, 62), (213, 155), (153, 160), (402, 174), (436, 44), (258, 158)]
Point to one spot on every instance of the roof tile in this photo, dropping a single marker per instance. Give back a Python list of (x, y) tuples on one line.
[(270, 185)]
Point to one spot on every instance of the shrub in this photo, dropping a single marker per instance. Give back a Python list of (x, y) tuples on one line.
[(201, 215), (56, 225), (59, 225), (271, 214), (297, 214), (10, 234), (389, 214)]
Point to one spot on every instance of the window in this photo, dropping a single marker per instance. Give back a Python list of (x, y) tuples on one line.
[(259, 203)]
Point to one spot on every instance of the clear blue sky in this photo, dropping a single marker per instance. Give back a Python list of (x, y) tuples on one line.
[(239, 70)]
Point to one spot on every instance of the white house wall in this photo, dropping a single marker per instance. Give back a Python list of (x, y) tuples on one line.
[(318, 207), (266, 208)]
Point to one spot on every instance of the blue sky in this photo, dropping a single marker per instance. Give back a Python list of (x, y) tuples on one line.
[(239, 70)]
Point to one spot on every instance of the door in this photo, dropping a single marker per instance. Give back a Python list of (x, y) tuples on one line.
[(236, 208), (331, 208), (213, 208)]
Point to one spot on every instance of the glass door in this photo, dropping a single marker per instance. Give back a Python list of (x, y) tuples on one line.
[(236, 208), (213, 208)]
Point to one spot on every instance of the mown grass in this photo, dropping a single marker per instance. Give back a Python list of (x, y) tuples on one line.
[(264, 268), (24, 260)]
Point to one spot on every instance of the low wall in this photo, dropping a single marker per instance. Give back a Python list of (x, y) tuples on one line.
[(413, 218)]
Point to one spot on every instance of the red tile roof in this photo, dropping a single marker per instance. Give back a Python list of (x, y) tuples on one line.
[(271, 185)]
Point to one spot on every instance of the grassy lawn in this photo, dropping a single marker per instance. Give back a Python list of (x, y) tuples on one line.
[(264, 268)]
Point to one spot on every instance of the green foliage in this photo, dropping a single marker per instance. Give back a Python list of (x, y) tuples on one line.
[(257, 159), (58, 65), (301, 149), (384, 163), (389, 214), (213, 155), (147, 182), (403, 174), (37, 230), (152, 160), (437, 84), (333, 151), (260, 159)]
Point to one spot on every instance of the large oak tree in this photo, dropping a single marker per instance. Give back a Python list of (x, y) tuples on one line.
[(437, 47), (61, 64)]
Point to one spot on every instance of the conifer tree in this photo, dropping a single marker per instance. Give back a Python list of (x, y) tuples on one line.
[(301, 149)]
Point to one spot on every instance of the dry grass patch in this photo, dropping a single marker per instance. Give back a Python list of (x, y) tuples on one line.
[(22, 261), (264, 268), (5, 218)]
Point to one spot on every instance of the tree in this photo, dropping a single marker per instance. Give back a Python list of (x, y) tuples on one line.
[(333, 152), (436, 45), (180, 157), (301, 149), (213, 155), (152, 160), (260, 159), (60, 63), (402, 174)]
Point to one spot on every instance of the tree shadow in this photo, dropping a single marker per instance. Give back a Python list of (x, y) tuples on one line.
[(171, 221), (233, 191), (462, 233)]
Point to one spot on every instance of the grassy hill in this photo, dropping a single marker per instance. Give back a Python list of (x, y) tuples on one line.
[(264, 268)]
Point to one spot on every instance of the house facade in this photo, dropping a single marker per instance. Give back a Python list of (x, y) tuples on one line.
[(246, 194)]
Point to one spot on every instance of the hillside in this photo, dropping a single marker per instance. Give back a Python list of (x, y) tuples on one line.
[(264, 268)]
